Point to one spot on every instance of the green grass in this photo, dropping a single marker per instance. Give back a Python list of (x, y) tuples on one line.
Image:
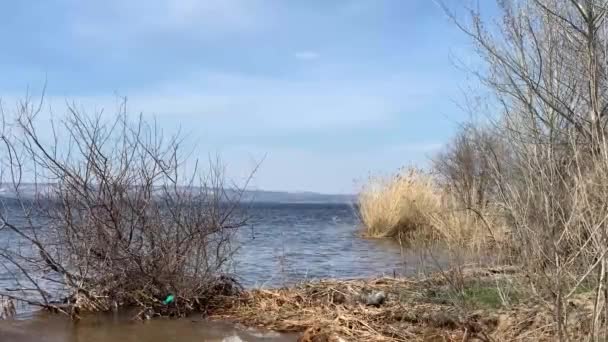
[(479, 295), (483, 296)]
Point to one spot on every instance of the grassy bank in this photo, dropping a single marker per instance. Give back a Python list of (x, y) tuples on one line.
[(486, 305)]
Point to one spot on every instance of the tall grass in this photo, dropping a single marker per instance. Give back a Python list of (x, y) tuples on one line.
[(468, 228), (413, 208), (398, 206)]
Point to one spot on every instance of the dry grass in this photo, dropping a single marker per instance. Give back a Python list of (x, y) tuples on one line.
[(398, 206), (329, 308), (413, 208), (330, 311), (468, 228)]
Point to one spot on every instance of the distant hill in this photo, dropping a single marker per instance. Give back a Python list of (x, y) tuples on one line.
[(295, 197), (28, 191)]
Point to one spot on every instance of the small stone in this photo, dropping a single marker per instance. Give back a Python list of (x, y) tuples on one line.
[(338, 298), (376, 298)]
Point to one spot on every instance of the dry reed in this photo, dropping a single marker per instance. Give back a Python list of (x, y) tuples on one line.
[(475, 229), (413, 208), (398, 206)]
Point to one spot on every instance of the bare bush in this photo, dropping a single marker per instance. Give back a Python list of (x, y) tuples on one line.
[(546, 63), (116, 220), (466, 165)]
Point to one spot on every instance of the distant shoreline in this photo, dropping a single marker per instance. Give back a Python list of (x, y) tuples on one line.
[(28, 190)]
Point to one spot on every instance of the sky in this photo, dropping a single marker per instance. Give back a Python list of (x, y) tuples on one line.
[(323, 93)]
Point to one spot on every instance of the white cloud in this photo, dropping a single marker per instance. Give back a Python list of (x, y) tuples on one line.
[(307, 55)]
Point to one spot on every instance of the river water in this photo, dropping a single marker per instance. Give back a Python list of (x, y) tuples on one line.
[(285, 243), (43, 327), (293, 242)]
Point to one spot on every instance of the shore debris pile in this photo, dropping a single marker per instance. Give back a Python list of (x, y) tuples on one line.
[(396, 309)]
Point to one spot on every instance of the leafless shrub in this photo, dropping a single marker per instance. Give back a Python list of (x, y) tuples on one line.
[(116, 219), (465, 166), (546, 66), (471, 218)]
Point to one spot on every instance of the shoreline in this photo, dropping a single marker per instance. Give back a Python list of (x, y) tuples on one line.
[(462, 304), (491, 304)]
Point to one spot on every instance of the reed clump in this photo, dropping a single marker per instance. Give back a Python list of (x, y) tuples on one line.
[(415, 208), (474, 229), (398, 206)]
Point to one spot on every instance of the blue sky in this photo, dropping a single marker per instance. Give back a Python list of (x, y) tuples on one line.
[(327, 91)]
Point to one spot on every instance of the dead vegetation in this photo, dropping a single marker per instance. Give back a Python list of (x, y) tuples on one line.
[(545, 68), (454, 205), (117, 217), (398, 206), (425, 309), (334, 309), (418, 210), (531, 179)]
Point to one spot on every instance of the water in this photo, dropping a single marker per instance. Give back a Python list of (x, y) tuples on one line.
[(108, 328), (285, 243)]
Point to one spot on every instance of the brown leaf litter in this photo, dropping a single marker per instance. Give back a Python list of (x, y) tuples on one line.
[(333, 310)]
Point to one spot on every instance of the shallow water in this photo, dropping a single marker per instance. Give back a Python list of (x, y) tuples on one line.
[(285, 243), (292, 242), (110, 328)]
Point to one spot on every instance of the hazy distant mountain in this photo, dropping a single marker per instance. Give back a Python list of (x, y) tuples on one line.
[(295, 197), (28, 190)]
